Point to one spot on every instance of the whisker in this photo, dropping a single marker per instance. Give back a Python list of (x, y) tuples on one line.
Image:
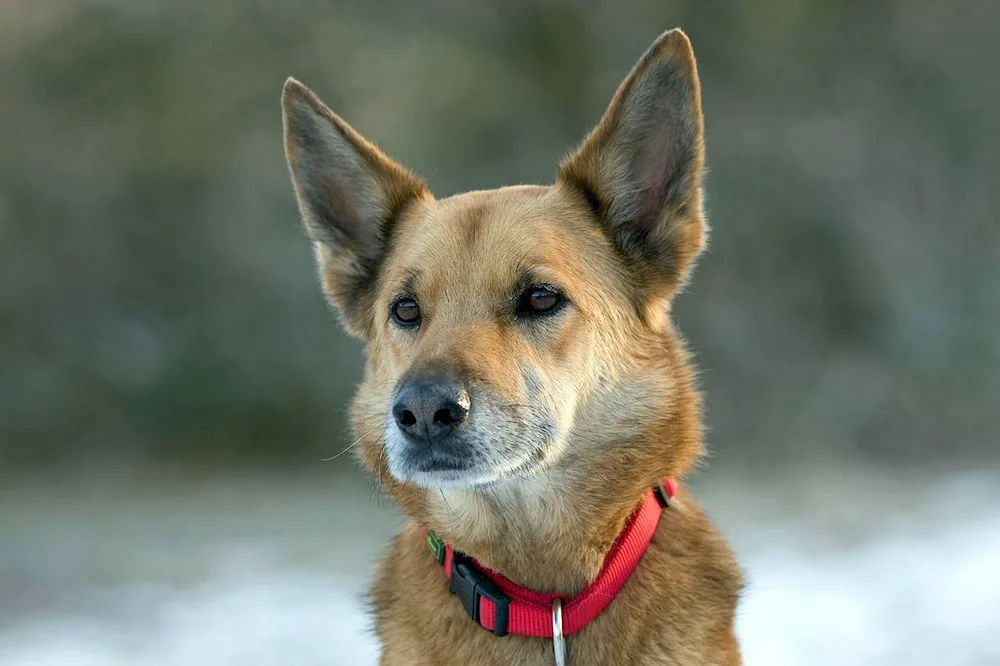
[(381, 487), (355, 443), (379, 418)]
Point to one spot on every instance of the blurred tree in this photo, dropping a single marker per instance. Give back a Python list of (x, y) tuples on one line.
[(157, 296)]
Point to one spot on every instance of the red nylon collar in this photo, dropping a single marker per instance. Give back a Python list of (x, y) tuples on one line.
[(502, 606)]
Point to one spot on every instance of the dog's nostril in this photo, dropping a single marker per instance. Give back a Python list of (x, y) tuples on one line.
[(445, 416), (407, 418)]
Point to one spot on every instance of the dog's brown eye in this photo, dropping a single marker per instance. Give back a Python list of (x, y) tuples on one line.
[(406, 312), (540, 301)]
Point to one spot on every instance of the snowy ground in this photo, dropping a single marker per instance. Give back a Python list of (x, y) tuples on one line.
[(843, 570)]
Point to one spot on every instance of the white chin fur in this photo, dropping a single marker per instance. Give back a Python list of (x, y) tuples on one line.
[(395, 447), (468, 480)]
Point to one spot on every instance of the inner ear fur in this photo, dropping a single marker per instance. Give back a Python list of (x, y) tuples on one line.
[(350, 196), (640, 169)]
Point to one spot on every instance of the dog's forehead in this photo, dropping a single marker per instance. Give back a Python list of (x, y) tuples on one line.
[(489, 238)]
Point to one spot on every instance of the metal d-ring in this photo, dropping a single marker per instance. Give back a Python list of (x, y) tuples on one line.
[(558, 641)]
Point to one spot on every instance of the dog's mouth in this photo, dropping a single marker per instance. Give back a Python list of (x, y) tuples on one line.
[(435, 471), (468, 461)]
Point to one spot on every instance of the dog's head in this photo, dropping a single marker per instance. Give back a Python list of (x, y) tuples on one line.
[(521, 329)]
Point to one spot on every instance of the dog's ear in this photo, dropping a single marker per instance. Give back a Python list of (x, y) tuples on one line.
[(350, 195), (641, 168)]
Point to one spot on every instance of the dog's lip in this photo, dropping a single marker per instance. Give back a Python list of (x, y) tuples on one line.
[(437, 459), (435, 463), (434, 469)]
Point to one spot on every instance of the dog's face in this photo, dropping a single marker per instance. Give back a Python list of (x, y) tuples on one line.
[(504, 326), (490, 320)]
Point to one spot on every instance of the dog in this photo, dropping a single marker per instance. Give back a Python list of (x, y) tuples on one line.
[(527, 400)]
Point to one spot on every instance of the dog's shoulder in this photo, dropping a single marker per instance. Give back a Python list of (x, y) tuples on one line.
[(680, 602), (687, 549)]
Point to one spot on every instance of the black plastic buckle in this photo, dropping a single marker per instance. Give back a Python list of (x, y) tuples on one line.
[(662, 498), (469, 584)]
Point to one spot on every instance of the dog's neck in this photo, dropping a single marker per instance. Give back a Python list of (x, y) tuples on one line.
[(544, 534)]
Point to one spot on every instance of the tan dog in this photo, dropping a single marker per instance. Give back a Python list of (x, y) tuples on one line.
[(525, 386)]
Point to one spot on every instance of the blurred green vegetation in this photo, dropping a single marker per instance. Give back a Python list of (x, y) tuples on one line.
[(157, 295)]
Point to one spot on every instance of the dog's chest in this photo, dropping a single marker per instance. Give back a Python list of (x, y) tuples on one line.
[(420, 623)]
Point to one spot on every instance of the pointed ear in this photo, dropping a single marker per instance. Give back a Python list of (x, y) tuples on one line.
[(640, 169), (350, 196)]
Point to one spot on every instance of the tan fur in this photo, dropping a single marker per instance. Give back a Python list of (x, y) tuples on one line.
[(610, 373)]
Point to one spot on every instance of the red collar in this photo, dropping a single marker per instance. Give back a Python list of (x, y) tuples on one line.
[(501, 606)]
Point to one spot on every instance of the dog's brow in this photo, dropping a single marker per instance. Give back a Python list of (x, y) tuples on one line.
[(409, 282), (525, 278), (530, 277)]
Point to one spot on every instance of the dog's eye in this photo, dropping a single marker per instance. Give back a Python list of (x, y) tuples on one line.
[(540, 301), (405, 311)]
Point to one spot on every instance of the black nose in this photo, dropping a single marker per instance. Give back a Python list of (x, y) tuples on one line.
[(430, 409)]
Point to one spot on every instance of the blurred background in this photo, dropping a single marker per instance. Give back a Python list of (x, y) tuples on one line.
[(171, 379)]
